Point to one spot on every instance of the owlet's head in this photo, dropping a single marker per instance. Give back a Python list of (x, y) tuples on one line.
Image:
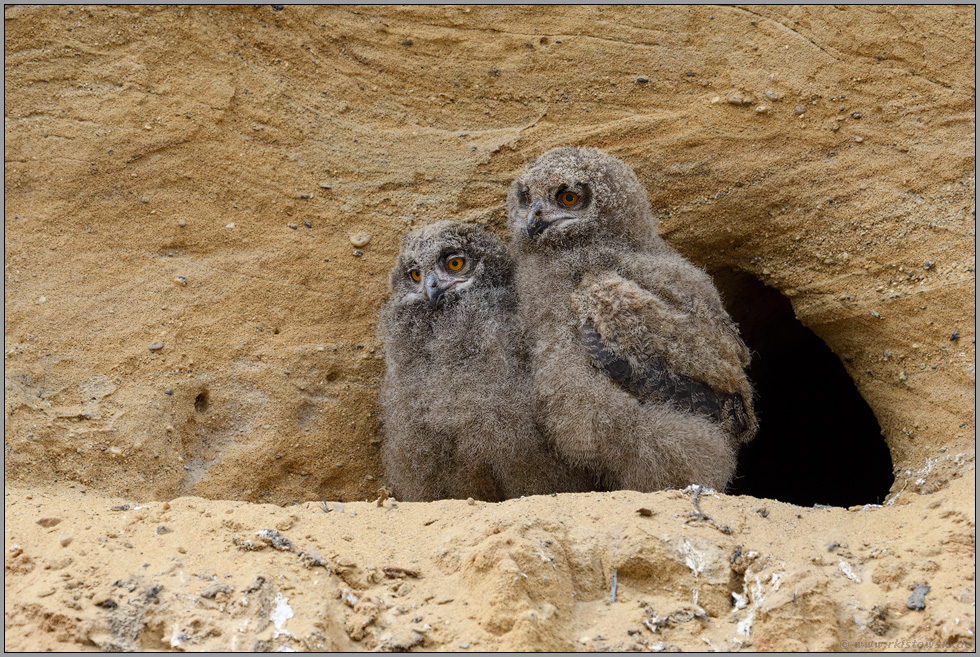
[(441, 262), (575, 195)]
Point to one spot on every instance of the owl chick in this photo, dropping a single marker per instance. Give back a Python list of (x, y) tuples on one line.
[(638, 370), (457, 416)]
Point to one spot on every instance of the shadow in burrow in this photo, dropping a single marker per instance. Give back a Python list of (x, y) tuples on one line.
[(818, 441)]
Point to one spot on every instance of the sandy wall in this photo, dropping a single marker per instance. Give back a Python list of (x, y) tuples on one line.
[(193, 176)]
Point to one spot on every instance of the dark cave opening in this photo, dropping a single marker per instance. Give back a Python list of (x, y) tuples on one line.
[(818, 440)]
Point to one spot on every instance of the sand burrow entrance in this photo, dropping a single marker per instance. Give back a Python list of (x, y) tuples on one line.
[(818, 442)]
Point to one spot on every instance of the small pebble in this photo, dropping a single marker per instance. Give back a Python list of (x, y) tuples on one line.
[(641, 81), (168, 392), (144, 200), (930, 264), (155, 346), (918, 598), (799, 109), (875, 314), (955, 336), (358, 253), (180, 280), (42, 299), (772, 95), (48, 522), (858, 138), (464, 645), (181, 223), (470, 501), (856, 115), (293, 226), (66, 541), (308, 224), (360, 239), (216, 588)]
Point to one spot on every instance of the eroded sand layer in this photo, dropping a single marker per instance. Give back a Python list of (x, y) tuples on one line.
[(229, 187)]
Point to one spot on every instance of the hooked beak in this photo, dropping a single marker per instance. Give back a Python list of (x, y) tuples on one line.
[(535, 222), (434, 291)]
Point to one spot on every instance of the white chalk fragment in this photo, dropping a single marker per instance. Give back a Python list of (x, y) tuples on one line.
[(847, 570)]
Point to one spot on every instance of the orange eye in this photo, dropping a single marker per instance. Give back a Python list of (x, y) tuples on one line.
[(568, 198), (415, 275), (456, 263)]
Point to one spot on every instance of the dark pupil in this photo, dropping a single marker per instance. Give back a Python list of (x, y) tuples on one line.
[(569, 198)]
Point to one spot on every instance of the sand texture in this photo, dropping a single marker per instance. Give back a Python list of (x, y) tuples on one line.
[(201, 208)]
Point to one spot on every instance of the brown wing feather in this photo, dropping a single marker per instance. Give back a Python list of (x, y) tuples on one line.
[(667, 347), (653, 382)]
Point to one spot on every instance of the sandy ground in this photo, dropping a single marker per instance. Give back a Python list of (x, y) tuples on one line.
[(87, 571), (193, 176)]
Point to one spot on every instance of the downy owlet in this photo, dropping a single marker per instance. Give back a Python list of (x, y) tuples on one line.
[(639, 373), (456, 398)]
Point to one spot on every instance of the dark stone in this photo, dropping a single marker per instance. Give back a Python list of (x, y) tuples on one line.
[(918, 598)]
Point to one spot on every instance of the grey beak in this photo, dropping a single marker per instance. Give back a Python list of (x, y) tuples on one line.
[(432, 290), (535, 223)]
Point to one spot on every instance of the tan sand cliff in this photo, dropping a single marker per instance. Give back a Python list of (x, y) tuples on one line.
[(201, 208)]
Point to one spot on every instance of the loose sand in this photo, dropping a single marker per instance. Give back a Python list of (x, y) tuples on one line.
[(194, 176)]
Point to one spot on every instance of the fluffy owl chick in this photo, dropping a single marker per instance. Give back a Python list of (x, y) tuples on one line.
[(638, 370), (457, 416)]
